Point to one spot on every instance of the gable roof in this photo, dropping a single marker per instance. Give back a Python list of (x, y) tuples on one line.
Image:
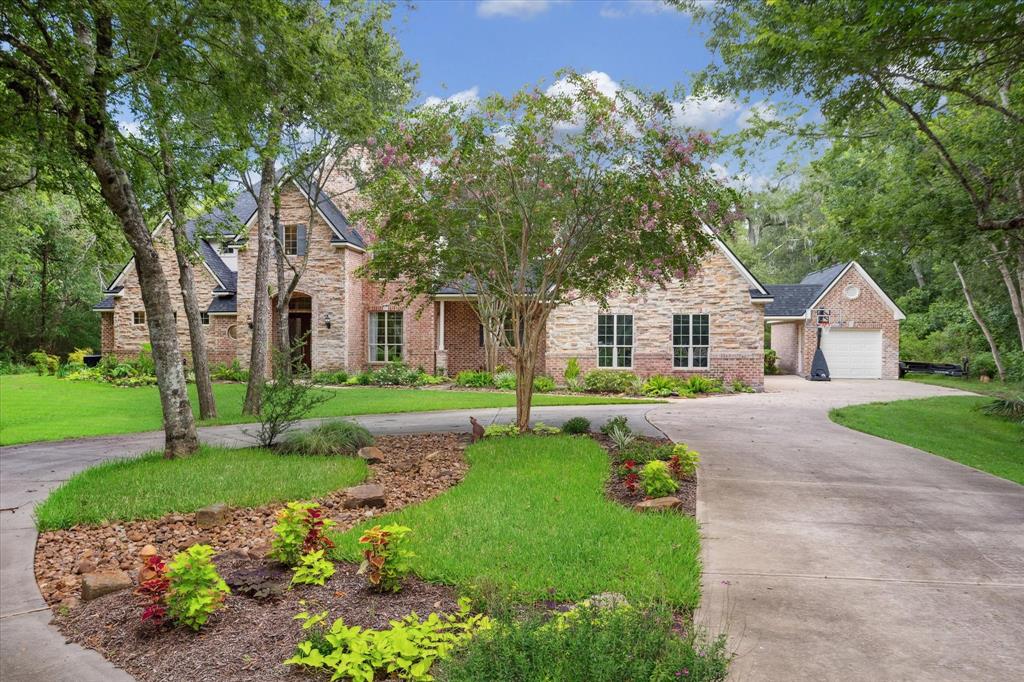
[(796, 300)]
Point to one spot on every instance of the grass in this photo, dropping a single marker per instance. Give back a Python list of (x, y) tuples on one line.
[(35, 408), (965, 384), (948, 426), (531, 520), (150, 486)]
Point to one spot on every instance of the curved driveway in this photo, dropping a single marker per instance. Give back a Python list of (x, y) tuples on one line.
[(834, 555), (829, 554)]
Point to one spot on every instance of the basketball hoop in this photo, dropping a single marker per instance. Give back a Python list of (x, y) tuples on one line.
[(828, 317)]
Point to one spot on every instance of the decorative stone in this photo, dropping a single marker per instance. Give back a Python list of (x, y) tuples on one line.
[(86, 565), (660, 504), (147, 551), (608, 600), (68, 603), (406, 465), (372, 454), (104, 582), (214, 515), (259, 550), (368, 495)]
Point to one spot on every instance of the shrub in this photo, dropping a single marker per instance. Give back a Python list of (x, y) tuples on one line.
[(396, 374), (1007, 407), (406, 651), (621, 436), (657, 480), (337, 437), (572, 374), (589, 643), (644, 451), (10, 366), (505, 381), (684, 460), (543, 429), (576, 426), (313, 569), (472, 379), (433, 379), (337, 377), (385, 558), (232, 372), (284, 401), (76, 358), (771, 361), (543, 384), (610, 381), (1013, 363), (299, 530), (981, 364), (659, 386), (740, 386), (196, 590), (620, 422), (493, 430), (44, 362), (699, 384)]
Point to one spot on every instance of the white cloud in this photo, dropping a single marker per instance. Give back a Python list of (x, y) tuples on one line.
[(703, 112), (130, 128), (762, 110), (518, 9), (753, 182), (469, 98), (604, 83), (618, 9)]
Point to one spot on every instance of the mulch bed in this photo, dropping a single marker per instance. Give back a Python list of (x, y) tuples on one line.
[(249, 639), (615, 488), (416, 468)]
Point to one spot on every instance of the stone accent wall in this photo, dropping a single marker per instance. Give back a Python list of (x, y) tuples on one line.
[(786, 343), (868, 311), (718, 289), (126, 338)]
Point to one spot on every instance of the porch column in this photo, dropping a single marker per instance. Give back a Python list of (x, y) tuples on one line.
[(440, 355), (440, 330)]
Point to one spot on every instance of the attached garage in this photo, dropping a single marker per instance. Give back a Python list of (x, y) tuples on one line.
[(853, 353)]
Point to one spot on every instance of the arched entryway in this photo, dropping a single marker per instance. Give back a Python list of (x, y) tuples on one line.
[(300, 327)]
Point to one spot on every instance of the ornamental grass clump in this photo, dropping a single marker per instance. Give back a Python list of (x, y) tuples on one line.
[(299, 531), (337, 437), (385, 558)]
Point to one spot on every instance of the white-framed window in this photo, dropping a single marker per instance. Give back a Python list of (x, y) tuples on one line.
[(291, 239), (138, 317), (204, 317), (386, 336), (614, 340), (691, 337)]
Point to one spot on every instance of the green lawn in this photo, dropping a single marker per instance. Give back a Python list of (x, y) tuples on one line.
[(35, 408), (531, 519), (150, 486), (965, 384), (949, 426)]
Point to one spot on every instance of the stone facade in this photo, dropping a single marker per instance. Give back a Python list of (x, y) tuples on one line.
[(718, 289)]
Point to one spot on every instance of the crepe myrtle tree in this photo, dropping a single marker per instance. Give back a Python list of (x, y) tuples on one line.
[(540, 199)]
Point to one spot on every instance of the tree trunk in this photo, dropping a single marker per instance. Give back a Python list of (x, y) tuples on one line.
[(1016, 304), (179, 426), (44, 288), (282, 335), (915, 267), (186, 280), (260, 351), (527, 349), (996, 357)]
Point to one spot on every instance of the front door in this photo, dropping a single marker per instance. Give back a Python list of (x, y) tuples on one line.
[(300, 325)]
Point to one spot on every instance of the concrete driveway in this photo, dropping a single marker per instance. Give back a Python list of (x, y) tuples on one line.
[(834, 555)]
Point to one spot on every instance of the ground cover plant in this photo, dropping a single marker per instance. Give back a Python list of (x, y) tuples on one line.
[(36, 408), (543, 496), (138, 488), (949, 426), (336, 437)]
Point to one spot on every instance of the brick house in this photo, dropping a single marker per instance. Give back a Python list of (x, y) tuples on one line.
[(710, 325), (858, 323)]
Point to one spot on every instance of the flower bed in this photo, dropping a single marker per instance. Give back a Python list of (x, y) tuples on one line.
[(618, 490)]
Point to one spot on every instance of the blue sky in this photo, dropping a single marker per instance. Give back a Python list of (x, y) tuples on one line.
[(471, 48)]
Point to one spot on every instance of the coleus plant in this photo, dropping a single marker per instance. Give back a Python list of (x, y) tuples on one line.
[(299, 530), (153, 589), (385, 559)]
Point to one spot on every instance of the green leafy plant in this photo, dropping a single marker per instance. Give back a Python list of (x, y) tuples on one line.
[(610, 381), (496, 430), (771, 361), (685, 459), (620, 422), (657, 479), (543, 429), (299, 530), (385, 558), (699, 384), (313, 569), (643, 451), (44, 362), (225, 372), (1006, 407), (396, 374), (505, 381), (621, 436), (406, 651), (473, 379), (285, 399), (740, 386), (660, 386), (543, 384), (572, 374), (336, 377), (576, 426), (196, 591), (76, 358), (336, 437)]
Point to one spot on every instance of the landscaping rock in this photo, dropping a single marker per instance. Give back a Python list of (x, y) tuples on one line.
[(372, 454), (369, 495), (660, 504), (104, 582), (214, 515)]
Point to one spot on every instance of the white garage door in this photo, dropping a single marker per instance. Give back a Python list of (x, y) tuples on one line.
[(853, 353)]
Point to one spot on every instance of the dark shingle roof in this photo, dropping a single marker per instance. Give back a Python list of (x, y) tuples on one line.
[(791, 299), (105, 304), (223, 304), (824, 276)]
